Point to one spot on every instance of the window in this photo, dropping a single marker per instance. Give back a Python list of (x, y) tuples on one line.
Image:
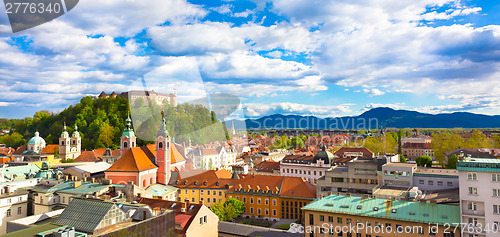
[(192, 199), (208, 200), (472, 206), (473, 191), (496, 192), (450, 184), (251, 210), (368, 223), (185, 191), (8, 213), (244, 199), (495, 226), (201, 192), (214, 199), (19, 210), (274, 202), (496, 209), (9, 200), (251, 200), (201, 199), (220, 193), (311, 219), (495, 177), (430, 182), (321, 218), (421, 181), (160, 145), (208, 192), (205, 219), (274, 212), (339, 220), (440, 183), (471, 176), (258, 211), (63, 199), (201, 220), (348, 221), (258, 201), (330, 218), (267, 212), (193, 192)]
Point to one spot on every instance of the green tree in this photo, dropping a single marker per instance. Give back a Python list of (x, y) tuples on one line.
[(228, 210), (477, 140), (400, 134), (496, 140), (452, 162), (13, 140), (106, 134), (444, 142), (424, 161), (402, 159)]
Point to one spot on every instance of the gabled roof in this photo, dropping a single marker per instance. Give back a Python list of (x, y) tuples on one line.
[(267, 166), (88, 156), (134, 160), (50, 149), (85, 214), (20, 150)]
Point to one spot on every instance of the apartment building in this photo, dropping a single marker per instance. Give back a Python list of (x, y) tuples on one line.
[(273, 197), (349, 216), (480, 196), (208, 187)]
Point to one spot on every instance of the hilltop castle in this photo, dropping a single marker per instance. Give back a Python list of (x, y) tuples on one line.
[(145, 95)]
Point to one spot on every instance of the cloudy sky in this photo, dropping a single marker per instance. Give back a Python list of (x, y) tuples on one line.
[(311, 57)]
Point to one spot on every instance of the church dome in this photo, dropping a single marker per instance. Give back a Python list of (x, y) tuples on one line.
[(36, 140), (324, 155)]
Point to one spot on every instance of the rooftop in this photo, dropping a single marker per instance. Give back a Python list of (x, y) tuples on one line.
[(386, 209), (479, 165)]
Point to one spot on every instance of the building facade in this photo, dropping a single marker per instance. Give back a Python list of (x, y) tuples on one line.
[(310, 168), (480, 196)]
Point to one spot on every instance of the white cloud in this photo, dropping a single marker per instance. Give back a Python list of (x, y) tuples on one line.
[(224, 9), (373, 92)]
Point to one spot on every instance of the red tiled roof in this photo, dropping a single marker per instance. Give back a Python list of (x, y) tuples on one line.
[(267, 166), (366, 152), (415, 145), (134, 160), (88, 156), (211, 177), (50, 149), (288, 186), (20, 150)]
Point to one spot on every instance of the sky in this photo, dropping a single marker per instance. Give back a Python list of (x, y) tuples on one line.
[(307, 57)]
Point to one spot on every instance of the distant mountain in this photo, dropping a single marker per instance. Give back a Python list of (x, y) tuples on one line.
[(372, 119)]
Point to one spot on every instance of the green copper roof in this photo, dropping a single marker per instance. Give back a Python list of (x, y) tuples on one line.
[(479, 165), (36, 139), (163, 129), (158, 190), (19, 172), (69, 187), (404, 210), (128, 132)]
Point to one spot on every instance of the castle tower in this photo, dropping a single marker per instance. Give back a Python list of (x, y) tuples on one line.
[(76, 144), (128, 138), (64, 144), (163, 152)]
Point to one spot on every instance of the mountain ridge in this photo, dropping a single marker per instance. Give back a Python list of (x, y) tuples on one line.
[(372, 119)]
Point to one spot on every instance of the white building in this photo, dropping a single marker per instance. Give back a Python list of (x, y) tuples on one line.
[(12, 206), (480, 196), (310, 168), (213, 158)]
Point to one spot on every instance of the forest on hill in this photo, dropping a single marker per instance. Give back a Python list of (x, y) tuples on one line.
[(101, 122)]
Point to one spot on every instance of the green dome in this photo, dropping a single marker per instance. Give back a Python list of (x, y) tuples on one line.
[(128, 132), (324, 155), (36, 139), (64, 133)]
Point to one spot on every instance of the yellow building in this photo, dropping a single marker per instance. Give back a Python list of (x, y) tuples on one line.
[(349, 216), (208, 187), (272, 197)]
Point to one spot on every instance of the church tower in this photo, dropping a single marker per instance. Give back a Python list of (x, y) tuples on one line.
[(64, 144), (163, 149), (76, 144), (128, 138)]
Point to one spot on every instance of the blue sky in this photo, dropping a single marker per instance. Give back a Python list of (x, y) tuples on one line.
[(310, 57)]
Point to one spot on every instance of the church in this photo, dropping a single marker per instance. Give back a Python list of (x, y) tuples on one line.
[(145, 165)]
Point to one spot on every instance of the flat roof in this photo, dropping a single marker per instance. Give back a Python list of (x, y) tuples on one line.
[(479, 165), (400, 164), (419, 212)]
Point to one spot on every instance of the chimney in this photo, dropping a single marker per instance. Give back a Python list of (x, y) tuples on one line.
[(129, 191), (77, 184)]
